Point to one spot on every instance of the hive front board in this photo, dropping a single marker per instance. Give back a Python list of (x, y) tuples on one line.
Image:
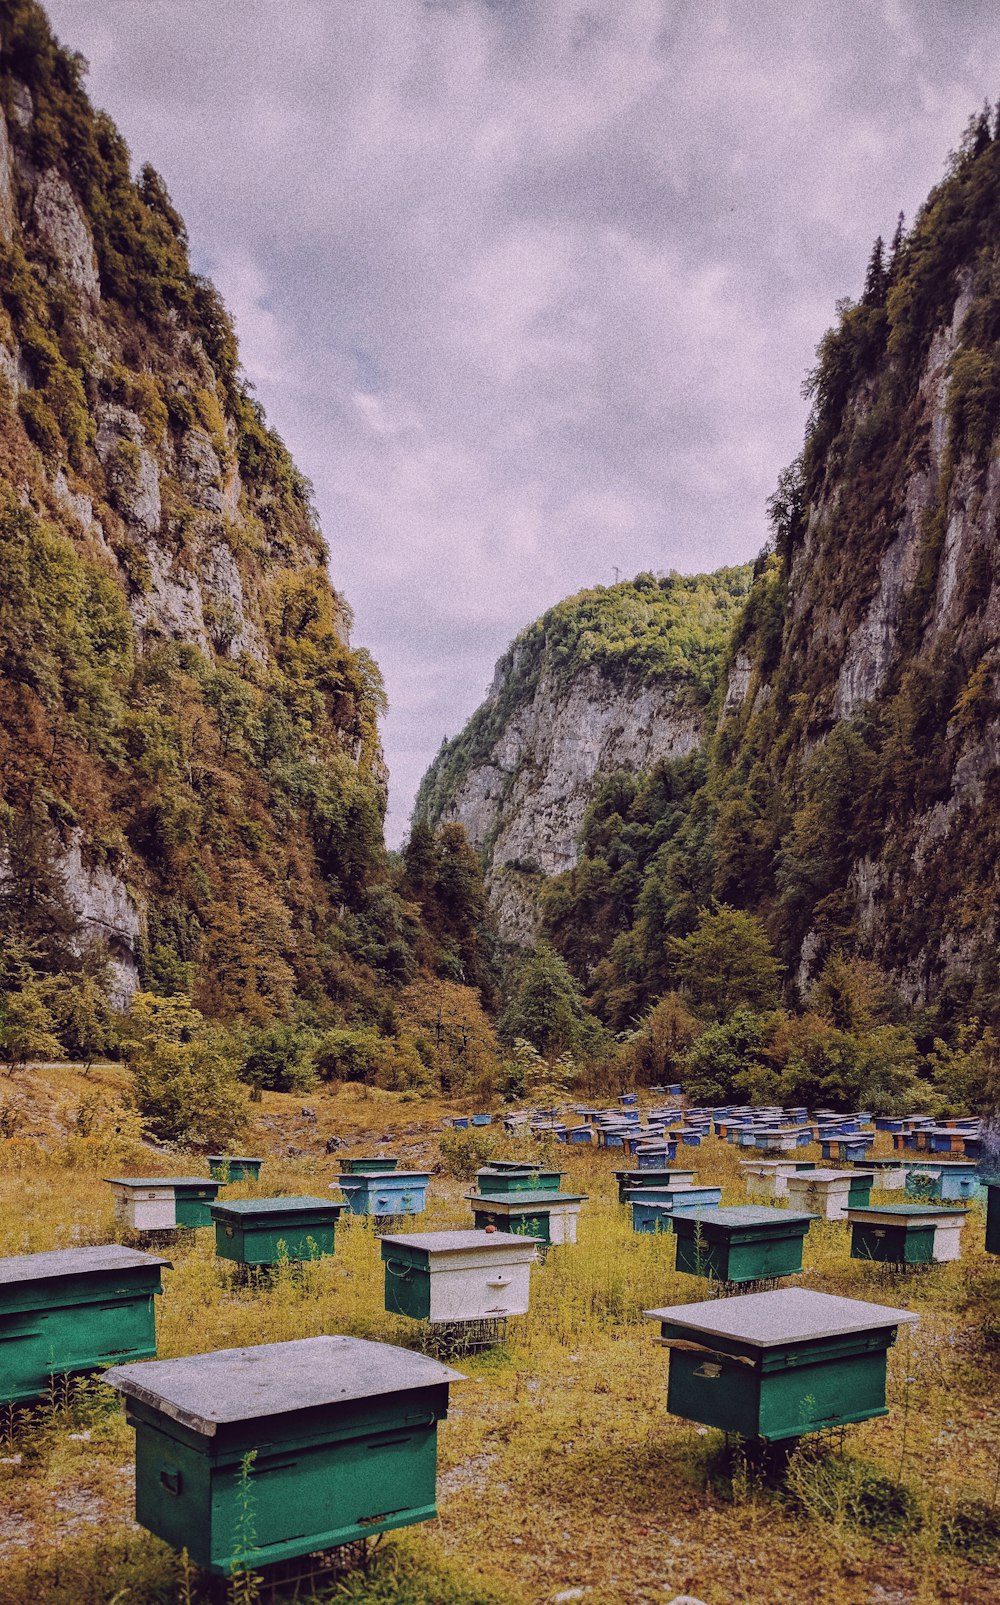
[(778, 1365), (341, 1435), (71, 1311), (265, 1231)]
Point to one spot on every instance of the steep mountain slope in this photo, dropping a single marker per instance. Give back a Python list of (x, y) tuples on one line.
[(189, 761), (857, 767), (611, 679)]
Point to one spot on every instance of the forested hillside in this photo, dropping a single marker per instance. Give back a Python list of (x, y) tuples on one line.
[(191, 782)]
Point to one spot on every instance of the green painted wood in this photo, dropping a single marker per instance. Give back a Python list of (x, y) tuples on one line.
[(194, 1200), (533, 1222), (517, 1181), (377, 1167), (322, 1476), (740, 1244), (67, 1326), (265, 1231), (814, 1392), (892, 1243), (407, 1281), (860, 1192), (227, 1170)]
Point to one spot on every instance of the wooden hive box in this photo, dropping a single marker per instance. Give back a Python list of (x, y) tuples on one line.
[(229, 1168), (263, 1231), (906, 1234), (550, 1218), (381, 1193), (458, 1276), (778, 1365), (71, 1311), (342, 1433), (493, 1181), (653, 1208), (158, 1203), (743, 1243)]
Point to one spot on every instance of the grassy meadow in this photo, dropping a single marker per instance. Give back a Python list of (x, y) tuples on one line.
[(559, 1469)]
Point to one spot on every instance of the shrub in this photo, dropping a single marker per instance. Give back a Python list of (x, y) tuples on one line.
[(184, 1074)]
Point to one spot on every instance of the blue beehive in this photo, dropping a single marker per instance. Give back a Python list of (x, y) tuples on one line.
[(398, 1192), (947, 1181), (482, 1120), (580, 1134), (629, 1099), (652, 1207)]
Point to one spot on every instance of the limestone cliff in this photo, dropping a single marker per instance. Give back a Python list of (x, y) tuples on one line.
[(183, 722), (612, 679)]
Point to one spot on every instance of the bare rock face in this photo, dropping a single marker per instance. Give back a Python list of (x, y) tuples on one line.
[(62, 227), (8, 205), (108, 912), (522, 806)]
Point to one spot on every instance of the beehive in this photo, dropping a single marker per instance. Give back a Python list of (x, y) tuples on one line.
[(768, 1178), (73, 1310), (458, 1276), (653, 1208), (744, 1243), (491, 1180), (993, 1217), (397, 1192), (888, 1175), (229, 1168), (342, 1433), (948, 1181), (642, 1179), (548, 1217), (265, 1231), (778, 1365), (375, 1166), (158, 1203), (906, 1234), (828, 1193)]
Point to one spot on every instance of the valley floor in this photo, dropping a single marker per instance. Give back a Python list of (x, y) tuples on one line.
[(559, 1468)]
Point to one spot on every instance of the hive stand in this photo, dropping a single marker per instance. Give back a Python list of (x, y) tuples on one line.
[(829, 1193), (993, 1216), (642, 1179), (906, 1235), (260, 1233), (73, 1311), (654, 1208), (742, 1248), (465, 1284), (779, 1365), (342, 1433), (228, 1168), (550, 1218)]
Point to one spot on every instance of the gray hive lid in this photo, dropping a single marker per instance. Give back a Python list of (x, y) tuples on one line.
[(820, 1174), (235, 1159), (458, 1241), (162, 1181), (208, 1391), (746, 1215), (274, 1206), (384, 1178), (74, 1262), (924, 1212), (790, 1315), (529, 1198)]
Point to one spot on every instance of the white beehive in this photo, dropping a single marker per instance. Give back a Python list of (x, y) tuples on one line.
[(458, 1275), (145, 1204), (820, 1192)]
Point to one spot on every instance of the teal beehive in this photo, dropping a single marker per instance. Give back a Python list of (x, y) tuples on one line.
[(906, 1234), (250, 1457), (230, 1167), (265, 1231), (742, 1243), (492, 1180), (778, 1365), (72, 1311), (377, 1166)]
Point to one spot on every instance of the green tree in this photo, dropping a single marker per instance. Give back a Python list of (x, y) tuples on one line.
[(966, 1073), (27, 1029), (730, 1058), (184, 1074), (86, 1018), (279, 1059), (727, 963), (547, 1007)]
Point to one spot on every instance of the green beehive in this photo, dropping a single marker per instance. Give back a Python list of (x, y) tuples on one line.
[(376, 1167), (463, 1276), (73, 1310), (548, 1217), (745, 1243), (342, 1433), (630, 1179), (993, 1217), (906, 1234), (264, 1231), (860, 1190), (778, 1365), (229, 1168), (493, 1181)]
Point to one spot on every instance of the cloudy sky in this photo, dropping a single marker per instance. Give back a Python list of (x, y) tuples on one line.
[(530, 286)]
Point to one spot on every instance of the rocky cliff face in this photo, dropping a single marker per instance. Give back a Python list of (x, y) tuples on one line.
[(521, 777), (864, 679), (180, 709)]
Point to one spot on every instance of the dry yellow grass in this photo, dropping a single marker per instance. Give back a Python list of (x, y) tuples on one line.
[(560, 1468)]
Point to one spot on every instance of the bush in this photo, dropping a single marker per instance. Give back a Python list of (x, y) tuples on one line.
[(184, 1074), (279, 1059)]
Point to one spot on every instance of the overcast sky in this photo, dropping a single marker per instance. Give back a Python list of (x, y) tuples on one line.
[(529, 286)]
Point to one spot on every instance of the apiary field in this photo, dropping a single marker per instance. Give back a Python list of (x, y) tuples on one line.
[(560, 1474)]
